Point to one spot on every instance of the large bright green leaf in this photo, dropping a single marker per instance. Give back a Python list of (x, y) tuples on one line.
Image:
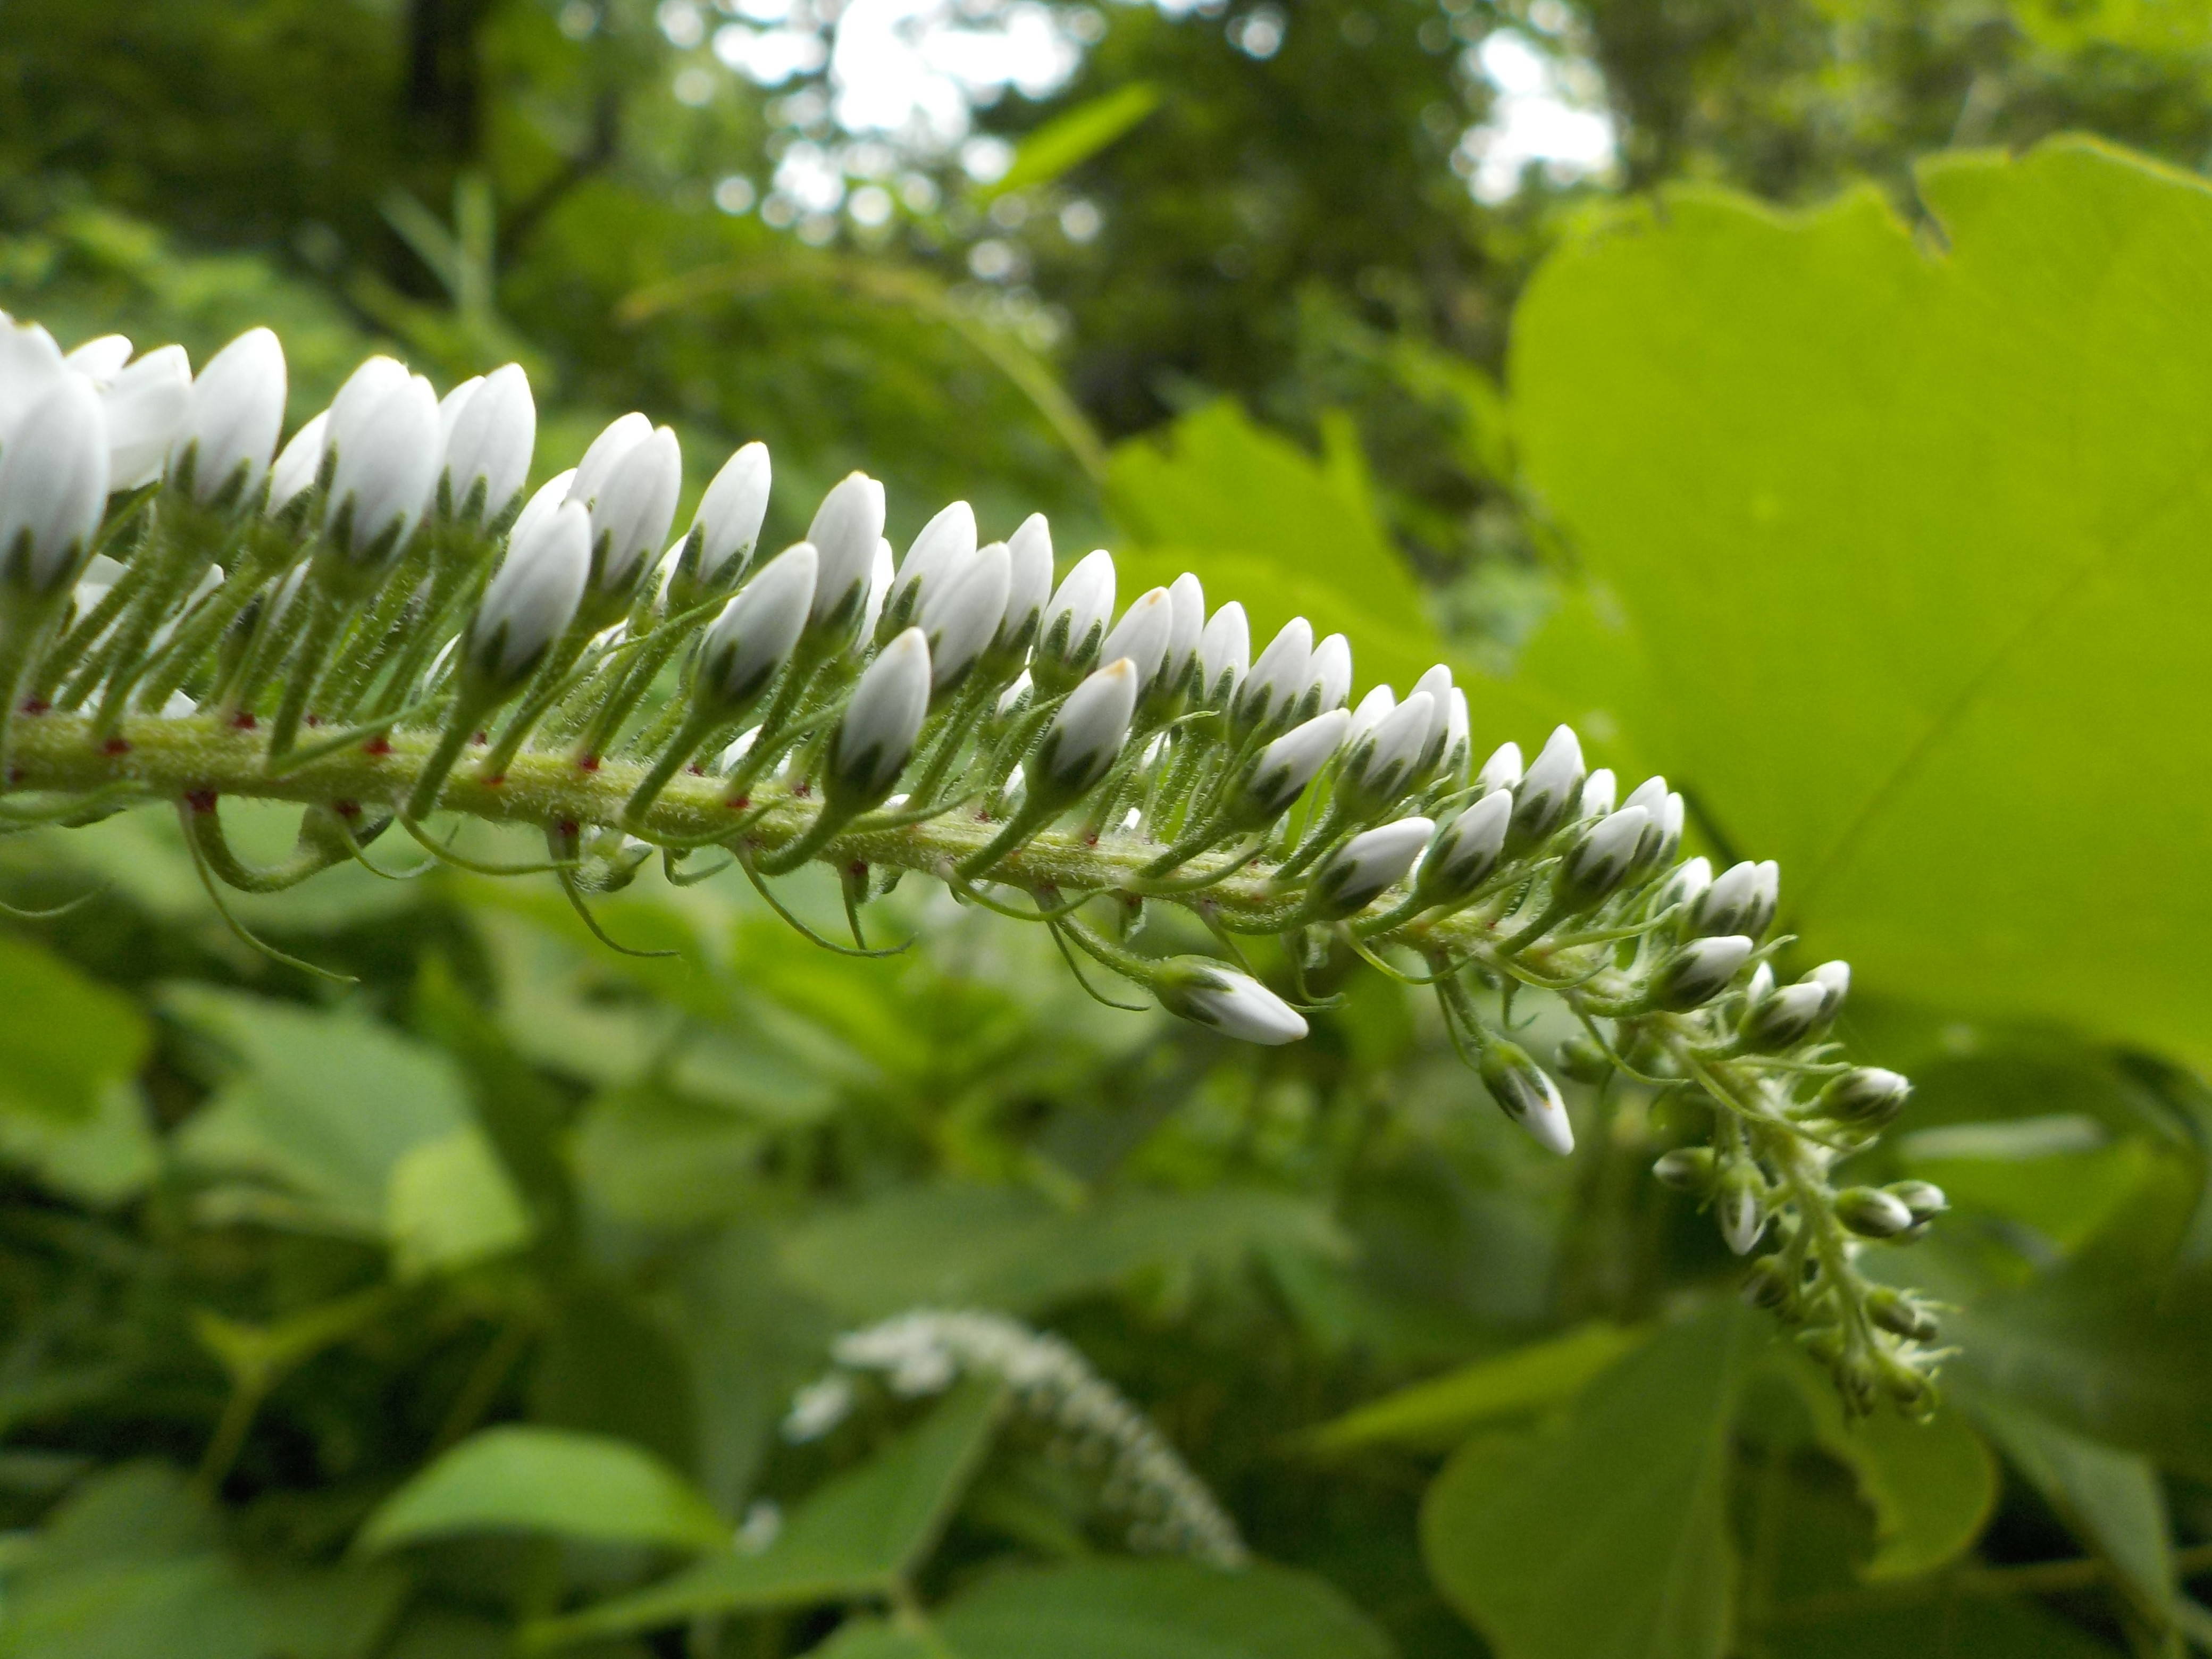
[(65, 1040), (1157, 1610), (522, 1478), (1261, 521), (1002, 1247), (1606, 1538), (1908, 530), (358, 1129), (1438, 1415), (858, 1537)]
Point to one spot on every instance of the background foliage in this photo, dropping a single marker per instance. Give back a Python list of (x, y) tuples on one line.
[(466, 1303)]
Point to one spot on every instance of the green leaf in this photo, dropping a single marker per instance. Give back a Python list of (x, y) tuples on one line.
[(1261, 521), (1959, 1628), (1009, 1247), (1157, 1610), (104, 1159), (65, 1041), (2110, 1499), (861, 1534), (879, 1638), (1438, 1415), (364, 1132), (1608, 1537), (1931, 1486), (1896, 519), (526, 1479), (1069, 140)]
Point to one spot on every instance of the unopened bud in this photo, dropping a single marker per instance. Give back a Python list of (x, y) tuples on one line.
[(1599, 794), (961, 613), (1547, 793), (530, 598), (846, 529), (1075, 621), (1597, 864), (1380, 768), (1699, 972), (1871, 1212), (237, 410), (1900, 1314), (728, 521), (1786, 1019), (1584, 1062), (1286, 766), (1687, 1169), (1465, 850), (1086, 737), (1923, 1198), (946, 542), (53, 487), (1502, 770), (1526, 1093), (1029, 585), (488, 444), (875, 739), (1367, 865), (1740, 1201), (1186, 623), (1277, 681), (1767, 1284), (1141, 635), (1225, 656), (1328, 676), (748, 643), (387, 461), (1867, 1095), (1202, 990)]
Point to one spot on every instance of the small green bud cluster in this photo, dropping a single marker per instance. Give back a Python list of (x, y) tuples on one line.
[(375, 623)]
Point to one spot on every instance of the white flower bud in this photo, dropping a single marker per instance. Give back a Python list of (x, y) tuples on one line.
[(1458, 743), (1601, 792), (1225, 656), (1601, 860), (1141, 635), (1866, 1095), (489, 440), (1360, 871), (1873, 1213), (728, 521), (1760, 986), (1766, 897), (1208, 993), (1380, 767), (1286, 766), (31, 366), (237, 410), (1372, 707), (302, 459), (53, 487), (1029, 548), (1086, 735), (1685, 885), (946, 542), (1834, 979), (961, 612), (1699, 972), (875, 739), (532, 597), (881, 570), (633, 509), (1438, 682), (616, 440), (144, 405), (1278, 679), (1502, 770), (1786, 1017), (100, 360), (1465, 850), (1525, 1092), (847, 527), (1186, 621), (388, 460), (1729, 904), (1547, 792), (750, 642), (1741, 1204), (1076, 617), (1328, 674)]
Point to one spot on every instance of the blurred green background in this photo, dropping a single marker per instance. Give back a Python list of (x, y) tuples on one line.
[(1771, 387)]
